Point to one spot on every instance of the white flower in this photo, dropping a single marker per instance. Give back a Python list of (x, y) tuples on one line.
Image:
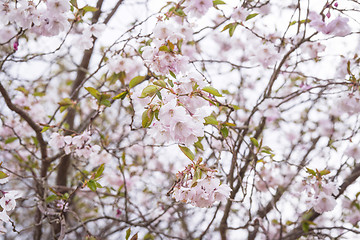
[(324, 203), (162, 30), (330, 188), (97, 29), (4, 217), (197, 8), (7, 202), (57, 140), (205, 192), (80, 140), (353, 151), (57, 6)]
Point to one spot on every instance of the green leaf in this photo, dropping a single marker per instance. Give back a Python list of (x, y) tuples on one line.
[(45, 128), (179, 12), (136, 80), (95, 93), (74, 3), (90, 238), (250, 16), (231, 27), (35, 140), (149, 236), (198, 145), (149, 91), (236, 107), (100, 170), (254, 142), (121, 95), (224, 131), (307, 215), (88, 8), (128, 232), (187, 152), (147, 118), (230, 124), (218, 2), (266, 151), (172, 74), (65, 102), (227, 26), (51, 198), (212, 91), (105, 102), (305, 21), (211, 120), (164, 48), (63, 108), (65, 196), (10, 140), (92, 185), (23, 90), (312, 172), (38, 94), (158, 93), (160, 83), (324, 172), (3, 175), (305, 226)]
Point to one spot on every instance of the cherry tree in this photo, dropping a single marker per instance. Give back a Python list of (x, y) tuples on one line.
[(189, 119)]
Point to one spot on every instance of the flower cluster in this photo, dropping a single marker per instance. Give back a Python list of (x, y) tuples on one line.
[(182, 112), (130, 67), (48, 18), (351, 210), (85, 40), (320, 191), (164, 53), (337, 27), (7, 203), (273, 177), (79, 144), (197, 8), (180, 105), (198, 190), (348, 104)]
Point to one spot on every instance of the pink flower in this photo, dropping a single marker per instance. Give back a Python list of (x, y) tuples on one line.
[(57, 140), (162, 30), (337, 27), (353, 151), (240, 14), (7, 202), (197, 8), (324, 203), (4, 217), (203, 193)]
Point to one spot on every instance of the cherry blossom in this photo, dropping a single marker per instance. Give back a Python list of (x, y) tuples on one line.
[(324, 203), (337, 27), (197, 8), (203, 193)]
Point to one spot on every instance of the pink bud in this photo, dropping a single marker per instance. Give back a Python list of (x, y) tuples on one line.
[(16, 45), (118, 212), (328, 14), (336, 4)]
